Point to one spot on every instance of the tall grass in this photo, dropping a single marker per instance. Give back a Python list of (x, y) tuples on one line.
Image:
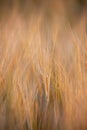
[(43, 73)]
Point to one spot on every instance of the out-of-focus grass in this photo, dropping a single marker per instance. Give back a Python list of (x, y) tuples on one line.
[(42, 73)]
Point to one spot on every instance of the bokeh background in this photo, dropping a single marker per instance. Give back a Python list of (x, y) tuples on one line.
[(43, 65)]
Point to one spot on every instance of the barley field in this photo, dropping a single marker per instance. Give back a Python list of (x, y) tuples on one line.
[(43, 65)]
